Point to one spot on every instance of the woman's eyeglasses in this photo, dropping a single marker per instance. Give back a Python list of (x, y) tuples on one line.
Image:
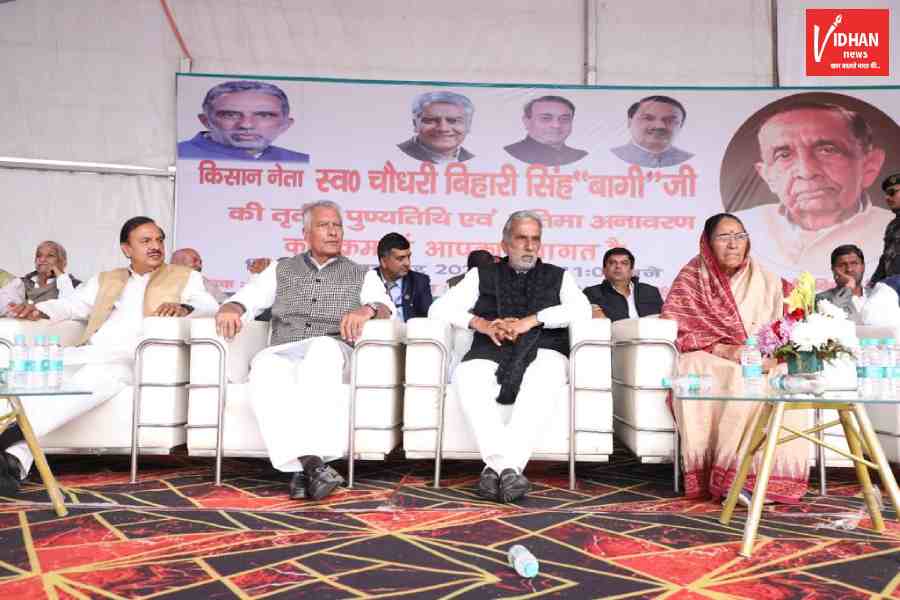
[(724, 238)]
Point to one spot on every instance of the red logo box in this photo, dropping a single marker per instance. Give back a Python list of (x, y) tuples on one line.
[(849, 41)]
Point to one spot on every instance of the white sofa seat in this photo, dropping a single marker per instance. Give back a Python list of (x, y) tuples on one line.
[(426, 435), (106, 429), (378, 365), (885, 417), (643, 354)]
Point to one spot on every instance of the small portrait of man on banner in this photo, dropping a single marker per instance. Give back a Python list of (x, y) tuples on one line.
[(242, 120), (441, 121), (654, 122), (548, 122)]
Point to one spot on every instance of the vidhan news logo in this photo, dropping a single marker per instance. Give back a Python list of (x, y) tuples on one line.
[(850, 41)]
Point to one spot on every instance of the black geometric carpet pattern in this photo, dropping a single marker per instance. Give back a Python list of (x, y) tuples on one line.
[(623, 533)]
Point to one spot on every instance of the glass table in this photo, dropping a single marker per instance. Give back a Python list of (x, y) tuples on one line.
[(16, 414), (861, 440)]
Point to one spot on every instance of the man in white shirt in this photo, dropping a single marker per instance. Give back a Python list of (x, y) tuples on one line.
[(114, 303), (520, 309), (48, 281), (320, 301), (849, 294)]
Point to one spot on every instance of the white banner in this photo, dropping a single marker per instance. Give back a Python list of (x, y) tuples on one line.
[(797, 166)]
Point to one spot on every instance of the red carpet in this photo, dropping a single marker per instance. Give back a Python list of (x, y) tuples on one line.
[(621, 534)]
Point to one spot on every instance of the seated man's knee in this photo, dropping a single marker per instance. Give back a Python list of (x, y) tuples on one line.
[(548, 368)]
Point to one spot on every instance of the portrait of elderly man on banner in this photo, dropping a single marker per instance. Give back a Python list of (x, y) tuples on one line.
[(242, 120), (806, 170), (441, 121)]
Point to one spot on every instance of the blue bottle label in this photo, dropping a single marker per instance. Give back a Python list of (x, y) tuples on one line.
[(752, 371), (45, 364)]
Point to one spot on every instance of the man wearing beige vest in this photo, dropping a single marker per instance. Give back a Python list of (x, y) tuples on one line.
[(114, 303), (320, 301)]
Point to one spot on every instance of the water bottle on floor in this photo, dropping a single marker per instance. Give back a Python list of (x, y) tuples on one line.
[(19, 363), (55, 354), (523, 561), (751, 368)]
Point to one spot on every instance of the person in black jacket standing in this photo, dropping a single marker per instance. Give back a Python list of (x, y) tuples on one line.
[(621, 295)]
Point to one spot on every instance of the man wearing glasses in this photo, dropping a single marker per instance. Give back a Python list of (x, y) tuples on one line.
[(889, 264), (818, 159)]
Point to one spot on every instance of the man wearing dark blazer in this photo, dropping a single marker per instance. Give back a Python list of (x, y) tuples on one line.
[(620, 295), (410, 291)]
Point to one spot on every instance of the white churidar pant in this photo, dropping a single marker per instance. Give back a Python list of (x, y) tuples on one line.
[(299, 395), (507, 434), (105, 371)]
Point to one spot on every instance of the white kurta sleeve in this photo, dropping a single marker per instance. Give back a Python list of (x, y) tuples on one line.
[(455, 306), (65, 286), (258, 294), (573, 306), (77, 306), (372, 290), (195, 294), (11, 293)]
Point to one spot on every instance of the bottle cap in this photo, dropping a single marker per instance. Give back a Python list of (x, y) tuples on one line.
[(20, 339), (38, 340), (530, 568), (751, 340)]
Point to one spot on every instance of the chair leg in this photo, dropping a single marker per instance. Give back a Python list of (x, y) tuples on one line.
[(759, 429), (877, 455), (40, 461), (862, 471), (762, 480)]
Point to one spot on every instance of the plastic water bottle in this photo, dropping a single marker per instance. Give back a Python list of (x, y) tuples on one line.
[(874, 369), (751, 368), (895, 371), (689, 385), (797, 384), (888, 365), (19, 363), (40, 361), (523, 561), (55, 354)]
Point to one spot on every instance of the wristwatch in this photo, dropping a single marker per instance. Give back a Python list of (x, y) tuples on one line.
[(374, 307)]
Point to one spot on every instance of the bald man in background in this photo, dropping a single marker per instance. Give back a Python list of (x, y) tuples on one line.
[(188, 257)]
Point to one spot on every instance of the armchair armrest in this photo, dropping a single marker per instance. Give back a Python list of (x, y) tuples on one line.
[(253, 337), (589, 355), (429, 344), (164, 364)]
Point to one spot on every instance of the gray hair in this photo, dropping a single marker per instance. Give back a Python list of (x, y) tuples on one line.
[(520, 215), (308, 208), (230, 87), (60, 251), (423, 100)]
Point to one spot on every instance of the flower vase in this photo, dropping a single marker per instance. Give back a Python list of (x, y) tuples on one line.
[(804, 362)]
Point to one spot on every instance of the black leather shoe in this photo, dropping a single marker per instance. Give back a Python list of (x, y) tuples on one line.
[(321, 481), (10, 474), (297, 486), (489, 484), (513, 485)]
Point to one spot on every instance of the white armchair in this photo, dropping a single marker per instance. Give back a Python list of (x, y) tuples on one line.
[(434, 424), (221, 421), (147, 417), (643, 354)]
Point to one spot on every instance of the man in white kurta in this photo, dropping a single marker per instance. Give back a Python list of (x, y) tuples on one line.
[(105, 363), (507, 408), (319, 301)]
